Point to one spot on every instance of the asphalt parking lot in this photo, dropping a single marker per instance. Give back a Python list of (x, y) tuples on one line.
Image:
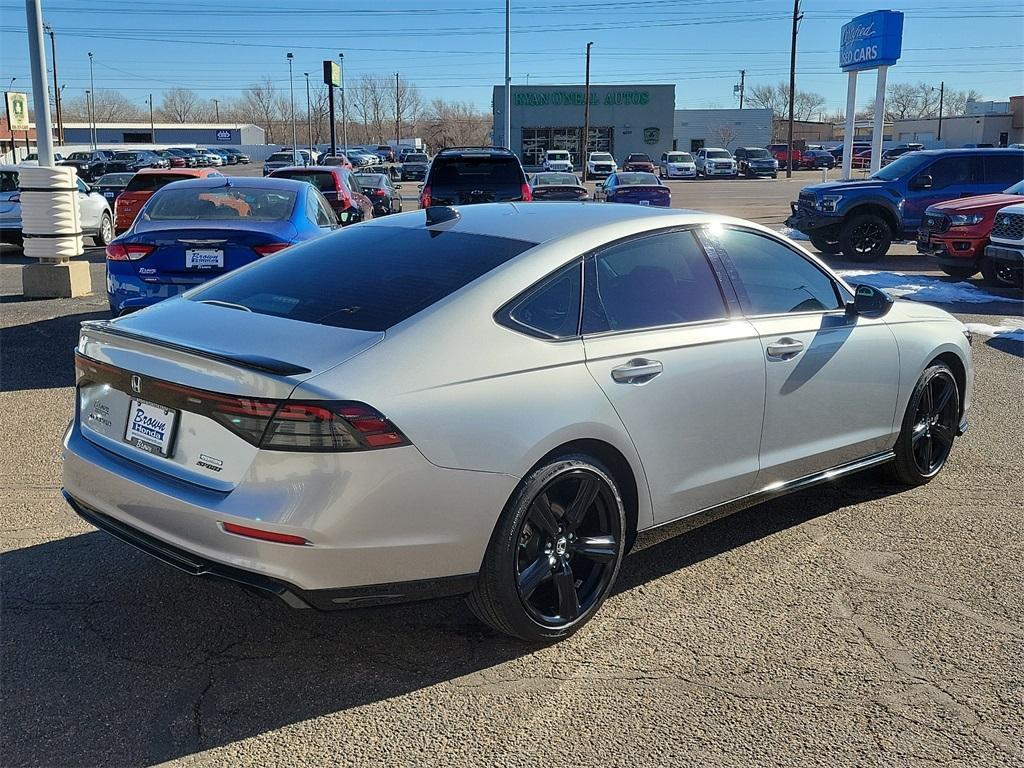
[(852, 624)]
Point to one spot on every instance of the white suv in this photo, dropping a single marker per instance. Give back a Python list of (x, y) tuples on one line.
[(677, 165), (1006, 248), (715, 161), (601, 164), (557, 160)]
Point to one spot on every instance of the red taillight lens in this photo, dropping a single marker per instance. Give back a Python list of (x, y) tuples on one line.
[(527, 194), (128, 251), (266, 250), (257, 533), (325, 426), (425, 198), (377, 192)]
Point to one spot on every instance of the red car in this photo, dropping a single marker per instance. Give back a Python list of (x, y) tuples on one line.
[(781, 153), (861, 159), (143, 185), (338, 184), (956, 232), (638, 161)]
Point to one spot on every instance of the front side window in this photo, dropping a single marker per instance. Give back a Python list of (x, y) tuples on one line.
[(772, 279), (951, 171), (656, 280)]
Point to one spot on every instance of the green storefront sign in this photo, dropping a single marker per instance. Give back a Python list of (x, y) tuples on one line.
[(576, 98)]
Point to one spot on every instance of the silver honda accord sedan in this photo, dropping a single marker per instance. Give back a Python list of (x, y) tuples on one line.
[(494, 401)]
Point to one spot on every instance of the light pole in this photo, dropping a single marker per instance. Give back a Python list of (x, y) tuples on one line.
[(291, 89), (56, 89), (309, 118), (586, 119), (92, 111), (508, 75), (88, 112), (792, 89), (152, 125), (344, 113), (216, 110)]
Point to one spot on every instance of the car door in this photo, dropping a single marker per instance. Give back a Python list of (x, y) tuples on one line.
[(683, 371), (952, 176), (90, 207), (832, 378)]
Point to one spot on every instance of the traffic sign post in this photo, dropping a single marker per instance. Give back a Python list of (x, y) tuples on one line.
[(332, 78)]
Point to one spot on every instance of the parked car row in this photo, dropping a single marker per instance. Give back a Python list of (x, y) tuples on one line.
[(90, 165)]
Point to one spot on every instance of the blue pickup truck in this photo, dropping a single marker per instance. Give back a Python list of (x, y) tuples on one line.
[(861, 217)]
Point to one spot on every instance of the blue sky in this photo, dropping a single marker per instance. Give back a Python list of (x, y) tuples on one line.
[(454, 49)]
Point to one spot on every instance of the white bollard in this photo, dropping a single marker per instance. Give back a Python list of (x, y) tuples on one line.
[(824, 175)]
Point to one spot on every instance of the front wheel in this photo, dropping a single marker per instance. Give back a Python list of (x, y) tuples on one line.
[(106, 231), (555, 552), (865, 237), (929, 427)]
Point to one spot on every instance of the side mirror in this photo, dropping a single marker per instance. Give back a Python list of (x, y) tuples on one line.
[(869, 301), (923, 182)]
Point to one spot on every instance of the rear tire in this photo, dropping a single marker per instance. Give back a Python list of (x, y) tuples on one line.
[(106, 231), (865, 237), (825, 244), (555, 553), (929, 427), (960, 273)]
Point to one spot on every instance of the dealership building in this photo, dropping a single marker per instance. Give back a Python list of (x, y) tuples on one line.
[(167, 134), (623, 119)]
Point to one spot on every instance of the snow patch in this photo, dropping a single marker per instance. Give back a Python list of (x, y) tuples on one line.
[(1009, 329), (793, 234), (923, 288)]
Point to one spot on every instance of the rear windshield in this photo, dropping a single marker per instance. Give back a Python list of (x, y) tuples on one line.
[(202, 204), (114, 179), (411, 158), (364, 278), (322, 180), (472, 173), (638, 179), (150, 182), (564, 179), (370, 179)]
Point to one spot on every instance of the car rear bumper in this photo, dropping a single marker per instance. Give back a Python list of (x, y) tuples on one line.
[(127, 293), (372, 518)]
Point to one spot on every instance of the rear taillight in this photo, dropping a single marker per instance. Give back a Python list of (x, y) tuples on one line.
[(329, 426), (266, 250), (259, 533), (425, 197), (128, 251), (527, 195), (377, 192)]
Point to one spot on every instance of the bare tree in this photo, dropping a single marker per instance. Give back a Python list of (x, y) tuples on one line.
[(806, 104), (776, 98), (369, 102), (179, 105), (259, 106), (956, 101), (404, 101), (917, 101), (109, 106), (724, 134), (454, 124)]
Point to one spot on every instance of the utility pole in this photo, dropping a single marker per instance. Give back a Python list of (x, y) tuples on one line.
[(216, 110), (942, 94), (291, 100), (92, 90), (792, 89), (309, 118), (88, 112), (508, 75), (344, 113), (743, 81), (152, 125), (585, 139), (398, 115), (56, 89)]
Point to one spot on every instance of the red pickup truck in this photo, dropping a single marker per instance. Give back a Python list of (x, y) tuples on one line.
[(781, 153), (956, 232)]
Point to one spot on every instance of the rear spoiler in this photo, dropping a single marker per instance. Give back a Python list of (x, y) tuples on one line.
[(251, 362)]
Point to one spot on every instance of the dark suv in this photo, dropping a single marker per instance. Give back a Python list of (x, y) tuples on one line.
[(467, 175), (89, 165), (861, 217)]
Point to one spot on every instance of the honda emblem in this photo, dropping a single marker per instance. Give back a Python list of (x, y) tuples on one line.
[(137, 384)]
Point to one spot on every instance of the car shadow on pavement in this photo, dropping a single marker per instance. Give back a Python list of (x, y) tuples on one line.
[(110, 658), (22, 366)]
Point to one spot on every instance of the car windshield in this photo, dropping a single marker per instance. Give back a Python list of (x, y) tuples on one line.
[(415, 158), (126, 156), (637, 158), (281, 157), (558, 155), (322, 180), (204, 204), (719, 154), (637, 179), (1016, 189), (758, 154), (371, 179), (601, 157), (679, 157), (555, 178), (80, 156), (332, 160), (365, 278), (906, 164)]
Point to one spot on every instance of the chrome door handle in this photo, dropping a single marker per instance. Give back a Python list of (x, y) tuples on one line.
[(637, 371), (784, 349)]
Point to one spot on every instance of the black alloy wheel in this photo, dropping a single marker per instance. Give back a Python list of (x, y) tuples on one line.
[(865, 238), (929, 426), (555, 553)]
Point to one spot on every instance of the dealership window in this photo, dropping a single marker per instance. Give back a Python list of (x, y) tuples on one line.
[(537, 141), (138, 138)]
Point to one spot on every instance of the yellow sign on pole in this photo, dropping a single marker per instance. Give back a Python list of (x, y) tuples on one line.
[(17, 110)]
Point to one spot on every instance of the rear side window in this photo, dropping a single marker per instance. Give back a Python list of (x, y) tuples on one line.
[(1003, 169), (150, 182), (473, 173), (952, 171), (8, 181), (772, 279), (365, 278), (320, 179), (661, 279), (550, 310)]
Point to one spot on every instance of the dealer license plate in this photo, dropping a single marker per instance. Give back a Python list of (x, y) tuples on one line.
[(204, 258), (645, 202), (150, 427)]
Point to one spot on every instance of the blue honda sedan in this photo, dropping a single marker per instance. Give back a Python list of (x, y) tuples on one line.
[(635, 188), (192, 231)]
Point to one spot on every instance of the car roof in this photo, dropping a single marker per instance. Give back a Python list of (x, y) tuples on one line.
[(960, 150), (315, 168), (185, 173)]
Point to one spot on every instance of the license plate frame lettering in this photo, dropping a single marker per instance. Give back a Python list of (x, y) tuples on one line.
[(204, 258), (151, 428)]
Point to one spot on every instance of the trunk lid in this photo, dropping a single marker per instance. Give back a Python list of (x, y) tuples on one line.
[(169, 361)]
